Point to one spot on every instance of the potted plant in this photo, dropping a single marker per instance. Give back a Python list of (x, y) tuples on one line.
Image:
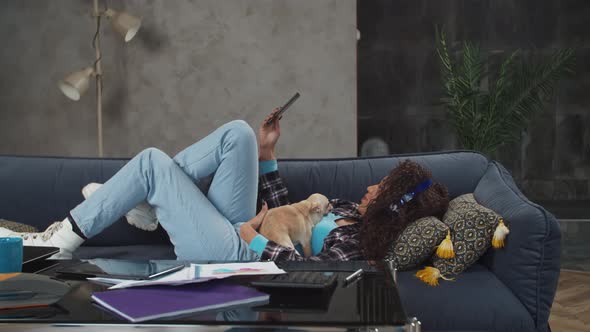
[(485, 118)]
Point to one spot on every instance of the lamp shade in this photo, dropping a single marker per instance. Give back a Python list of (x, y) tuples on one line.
[(75, 84), (126, 25)]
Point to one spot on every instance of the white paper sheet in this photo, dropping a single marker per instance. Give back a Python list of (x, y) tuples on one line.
[(196, 273), (235, 269)]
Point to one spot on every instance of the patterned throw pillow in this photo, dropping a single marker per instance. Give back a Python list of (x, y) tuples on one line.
[(417, 243), (472, 229), (17, 227)]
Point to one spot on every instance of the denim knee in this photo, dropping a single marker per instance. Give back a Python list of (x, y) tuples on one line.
[(156, 158), (240, 132)]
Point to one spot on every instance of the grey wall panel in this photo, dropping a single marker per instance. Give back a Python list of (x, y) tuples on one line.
[(193, 66)]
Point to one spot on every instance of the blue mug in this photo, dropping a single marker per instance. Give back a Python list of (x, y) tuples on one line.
[(11, 254)]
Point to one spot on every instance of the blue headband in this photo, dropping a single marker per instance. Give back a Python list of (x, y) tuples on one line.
[(423, 186)]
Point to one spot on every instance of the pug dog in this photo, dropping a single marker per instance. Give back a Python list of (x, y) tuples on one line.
[(291, 224)]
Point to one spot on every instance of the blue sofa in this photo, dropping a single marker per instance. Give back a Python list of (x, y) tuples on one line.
[(507, 290)]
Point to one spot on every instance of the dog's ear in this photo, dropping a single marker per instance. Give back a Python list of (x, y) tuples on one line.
[(316, 207)]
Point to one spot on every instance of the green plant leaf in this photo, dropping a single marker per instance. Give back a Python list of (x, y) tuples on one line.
[(485, 120)]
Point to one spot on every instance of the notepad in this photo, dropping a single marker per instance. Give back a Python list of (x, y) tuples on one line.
[(153, 302)]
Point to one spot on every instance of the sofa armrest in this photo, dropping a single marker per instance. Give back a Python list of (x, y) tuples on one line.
[(529, 264)]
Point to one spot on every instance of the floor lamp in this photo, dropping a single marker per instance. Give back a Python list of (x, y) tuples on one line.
[(76, 83)]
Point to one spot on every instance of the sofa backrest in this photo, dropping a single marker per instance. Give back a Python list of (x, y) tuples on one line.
[(348, 178), (40, 190)]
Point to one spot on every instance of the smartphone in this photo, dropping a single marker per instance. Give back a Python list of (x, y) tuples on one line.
[(284, 108)]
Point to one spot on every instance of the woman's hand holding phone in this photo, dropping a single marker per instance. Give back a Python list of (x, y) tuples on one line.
[(268, 135), (278, 115), (270, 130)]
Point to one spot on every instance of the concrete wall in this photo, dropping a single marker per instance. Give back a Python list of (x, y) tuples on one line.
[(399, 83), (193, 66)]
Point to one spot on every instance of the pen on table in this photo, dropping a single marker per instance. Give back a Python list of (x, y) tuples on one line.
[(353, 276)]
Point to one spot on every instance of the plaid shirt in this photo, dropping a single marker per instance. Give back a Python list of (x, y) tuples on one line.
[(342, 244)]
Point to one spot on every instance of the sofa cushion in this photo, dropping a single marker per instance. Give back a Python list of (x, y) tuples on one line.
[(17, 227), (472, 228), (416, 243), (478, 302)]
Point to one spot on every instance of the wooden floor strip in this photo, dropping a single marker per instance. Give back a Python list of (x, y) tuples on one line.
[(571, 307)]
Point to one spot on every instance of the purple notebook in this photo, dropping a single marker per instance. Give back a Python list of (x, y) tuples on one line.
[(146, 303)]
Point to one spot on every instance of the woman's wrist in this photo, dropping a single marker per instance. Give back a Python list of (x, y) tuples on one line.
[(247, 232), (266, 154)]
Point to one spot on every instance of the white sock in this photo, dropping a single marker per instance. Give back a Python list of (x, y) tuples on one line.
[(142, 216)]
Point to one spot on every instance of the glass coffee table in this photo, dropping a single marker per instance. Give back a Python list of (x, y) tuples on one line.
[(369, 303)]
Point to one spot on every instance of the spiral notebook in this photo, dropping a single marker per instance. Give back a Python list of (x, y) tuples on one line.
[(153, 302)]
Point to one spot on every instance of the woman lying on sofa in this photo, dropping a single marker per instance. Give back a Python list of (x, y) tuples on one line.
[(223, 224)]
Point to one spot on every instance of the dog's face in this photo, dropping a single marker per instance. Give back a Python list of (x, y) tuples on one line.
[(320, 205)]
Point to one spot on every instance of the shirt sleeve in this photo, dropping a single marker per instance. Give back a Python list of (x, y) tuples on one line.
[(267, 166), (341, 251), (258, 244), (272, 190)]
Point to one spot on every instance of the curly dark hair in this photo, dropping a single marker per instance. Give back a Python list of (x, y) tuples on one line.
[(380, 226)]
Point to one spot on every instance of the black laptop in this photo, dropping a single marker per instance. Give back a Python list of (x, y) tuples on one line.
[(35, 258)]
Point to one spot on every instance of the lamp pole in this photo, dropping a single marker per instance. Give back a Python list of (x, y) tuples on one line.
[(76, 83), (98, 72)]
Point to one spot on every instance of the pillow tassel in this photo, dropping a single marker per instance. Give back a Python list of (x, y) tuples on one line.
[(500, 235), (430, 275), (445, 248)]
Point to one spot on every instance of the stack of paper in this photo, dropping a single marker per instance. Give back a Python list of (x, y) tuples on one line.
[(197, 273)]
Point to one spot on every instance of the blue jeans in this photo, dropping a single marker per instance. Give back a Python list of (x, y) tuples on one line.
[(200, 227)]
